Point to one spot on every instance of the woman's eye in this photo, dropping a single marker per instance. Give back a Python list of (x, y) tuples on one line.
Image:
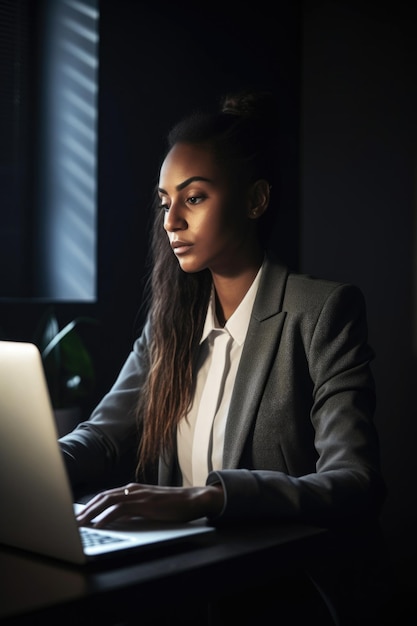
[(164, 207), (195, 199)]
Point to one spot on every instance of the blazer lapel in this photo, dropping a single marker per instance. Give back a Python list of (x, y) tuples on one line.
[(260, 347)]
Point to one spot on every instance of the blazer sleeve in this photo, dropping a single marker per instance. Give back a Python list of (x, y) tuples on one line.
[(345, 482), (95, 448)]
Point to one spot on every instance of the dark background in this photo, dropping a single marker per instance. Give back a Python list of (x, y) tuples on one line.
[(345, 74), (358, 148)]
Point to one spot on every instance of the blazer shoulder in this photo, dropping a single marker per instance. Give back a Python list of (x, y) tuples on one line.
[(305, 290), (283, 289)]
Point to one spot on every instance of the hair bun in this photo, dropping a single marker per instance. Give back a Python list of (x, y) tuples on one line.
[(249, 104)]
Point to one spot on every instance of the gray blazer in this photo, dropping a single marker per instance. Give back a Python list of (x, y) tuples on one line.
[(300, 442)]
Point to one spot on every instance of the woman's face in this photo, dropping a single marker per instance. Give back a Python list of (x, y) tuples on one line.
[(206, 216)]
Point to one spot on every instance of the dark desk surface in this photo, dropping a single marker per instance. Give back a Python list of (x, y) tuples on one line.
[(33, 589)]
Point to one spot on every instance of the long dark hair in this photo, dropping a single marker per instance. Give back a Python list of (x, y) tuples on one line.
[(242, 135)]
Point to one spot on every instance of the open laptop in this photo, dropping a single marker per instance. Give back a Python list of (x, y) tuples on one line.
[(37, 511)]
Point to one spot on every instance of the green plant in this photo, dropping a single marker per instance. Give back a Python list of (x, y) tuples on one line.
[(68, 364)]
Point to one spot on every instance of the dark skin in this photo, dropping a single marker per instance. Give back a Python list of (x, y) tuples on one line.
[(210, 224)]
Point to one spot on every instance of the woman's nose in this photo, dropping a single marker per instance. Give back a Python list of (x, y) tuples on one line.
[(173, 219)]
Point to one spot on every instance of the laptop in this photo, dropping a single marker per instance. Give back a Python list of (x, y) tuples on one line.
[(38, 512)]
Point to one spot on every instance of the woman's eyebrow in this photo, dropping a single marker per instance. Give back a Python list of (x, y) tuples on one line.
[(186, 182)]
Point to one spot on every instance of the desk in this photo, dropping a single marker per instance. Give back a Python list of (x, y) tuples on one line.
[(34, 590)]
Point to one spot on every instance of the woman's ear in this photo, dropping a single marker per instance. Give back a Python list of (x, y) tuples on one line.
[(258, 198)]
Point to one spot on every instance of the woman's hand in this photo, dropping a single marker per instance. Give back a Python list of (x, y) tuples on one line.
[(170, 504)]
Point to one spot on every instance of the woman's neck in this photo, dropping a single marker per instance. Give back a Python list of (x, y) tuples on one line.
[(231, 289)]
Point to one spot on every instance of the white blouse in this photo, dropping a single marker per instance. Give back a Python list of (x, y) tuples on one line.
[(200, 435)]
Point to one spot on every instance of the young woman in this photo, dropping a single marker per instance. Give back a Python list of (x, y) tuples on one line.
[(249, 393)]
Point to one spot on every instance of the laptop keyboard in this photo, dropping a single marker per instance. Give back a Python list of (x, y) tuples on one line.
[(90, 537)]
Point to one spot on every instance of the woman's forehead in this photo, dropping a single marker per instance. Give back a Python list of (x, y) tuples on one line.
[(185, 161)]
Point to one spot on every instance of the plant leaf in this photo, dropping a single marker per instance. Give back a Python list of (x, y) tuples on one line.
[(68, 365), (77, 370), (47, 329)]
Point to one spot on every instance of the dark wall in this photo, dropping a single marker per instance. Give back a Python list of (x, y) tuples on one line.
[(358, 207)]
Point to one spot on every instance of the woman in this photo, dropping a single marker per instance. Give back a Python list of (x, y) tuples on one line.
[(249, 394)]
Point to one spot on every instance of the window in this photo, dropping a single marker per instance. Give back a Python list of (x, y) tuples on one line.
[(51, 228)]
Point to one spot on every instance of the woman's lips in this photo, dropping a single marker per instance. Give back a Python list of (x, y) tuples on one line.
[(180, 247)]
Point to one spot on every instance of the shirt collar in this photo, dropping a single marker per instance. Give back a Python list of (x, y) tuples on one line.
[(237, 324)]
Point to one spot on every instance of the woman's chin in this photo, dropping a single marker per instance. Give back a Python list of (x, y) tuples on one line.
[(188, 266)]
